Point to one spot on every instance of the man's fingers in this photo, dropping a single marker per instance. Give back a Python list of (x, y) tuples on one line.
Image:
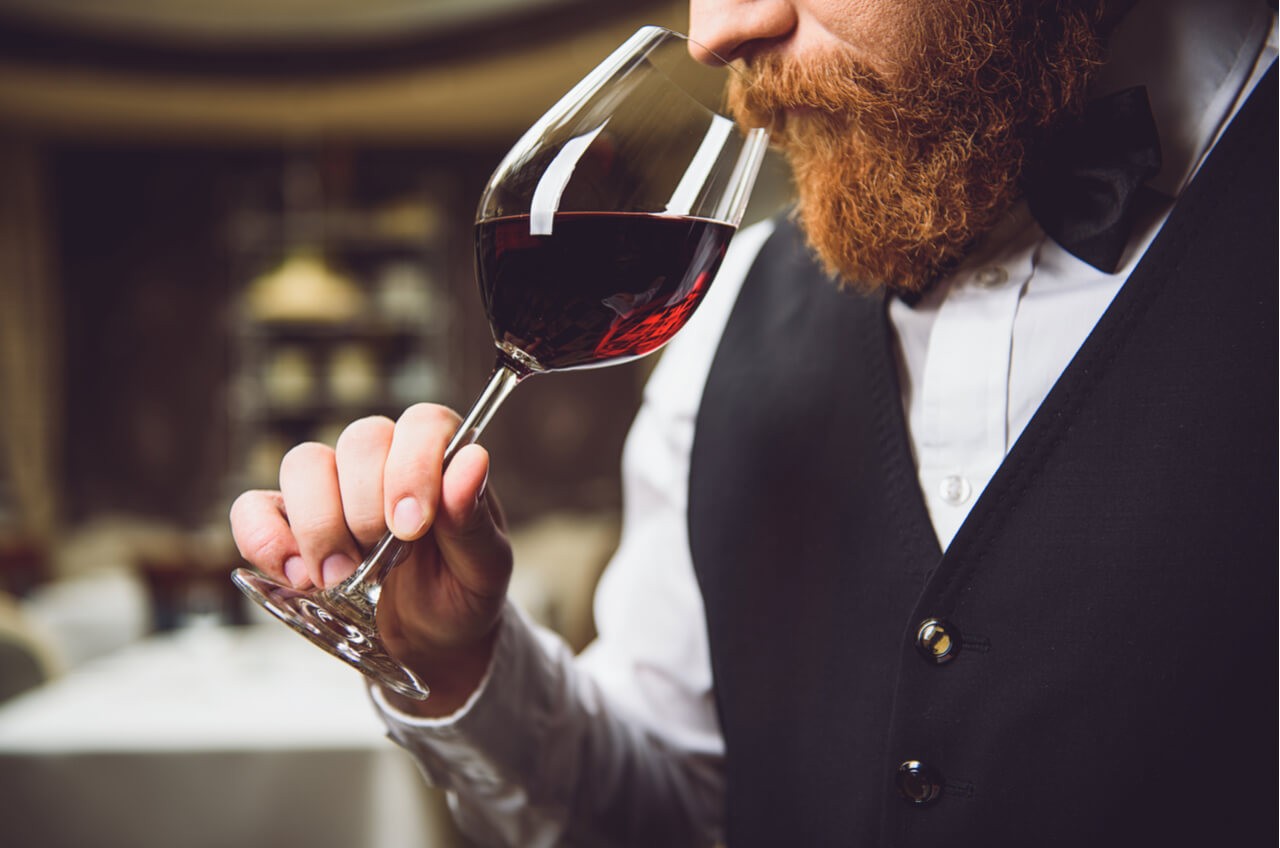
[(361, 458), (333, 503), (313, 503), (411, 483), (262, 534)]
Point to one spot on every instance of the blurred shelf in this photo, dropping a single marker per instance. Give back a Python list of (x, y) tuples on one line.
[(343, 309)]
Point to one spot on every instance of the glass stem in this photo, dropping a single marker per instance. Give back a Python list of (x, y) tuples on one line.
[(366, 583)]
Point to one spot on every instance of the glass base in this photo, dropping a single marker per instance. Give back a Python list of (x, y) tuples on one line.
[(336, 624)]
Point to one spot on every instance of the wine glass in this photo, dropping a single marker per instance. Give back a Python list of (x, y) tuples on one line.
[(596, 238)]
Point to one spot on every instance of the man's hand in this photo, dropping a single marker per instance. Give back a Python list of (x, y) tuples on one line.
[(439, 608)]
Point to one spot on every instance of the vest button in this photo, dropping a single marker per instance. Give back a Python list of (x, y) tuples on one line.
[(937, 641), (919, 783)]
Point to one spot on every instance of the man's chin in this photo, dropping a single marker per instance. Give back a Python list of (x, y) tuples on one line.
[(895, 226)]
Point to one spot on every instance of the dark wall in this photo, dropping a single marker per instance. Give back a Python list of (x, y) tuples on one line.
[(145, 290)]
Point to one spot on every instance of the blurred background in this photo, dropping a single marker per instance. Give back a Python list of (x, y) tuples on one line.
[(227, 226)]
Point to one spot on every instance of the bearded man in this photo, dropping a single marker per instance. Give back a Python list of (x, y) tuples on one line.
[(951, 518)]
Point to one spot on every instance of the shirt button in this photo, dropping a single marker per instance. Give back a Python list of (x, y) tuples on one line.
[(937, 641), (955, 489), (919, 783), (989, 278)]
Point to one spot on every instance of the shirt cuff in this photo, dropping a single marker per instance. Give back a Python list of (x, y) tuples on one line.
[(491, 743)]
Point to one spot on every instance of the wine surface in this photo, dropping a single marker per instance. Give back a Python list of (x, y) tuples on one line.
[(601, 288)]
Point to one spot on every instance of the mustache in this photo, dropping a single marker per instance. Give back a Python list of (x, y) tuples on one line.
[(831, 82)]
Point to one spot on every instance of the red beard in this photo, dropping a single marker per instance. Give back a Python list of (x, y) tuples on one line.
[(898, 178)]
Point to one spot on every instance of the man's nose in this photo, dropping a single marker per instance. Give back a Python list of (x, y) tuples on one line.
[(731, 29)]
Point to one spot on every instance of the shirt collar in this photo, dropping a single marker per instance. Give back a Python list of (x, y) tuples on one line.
[(1195, 58)]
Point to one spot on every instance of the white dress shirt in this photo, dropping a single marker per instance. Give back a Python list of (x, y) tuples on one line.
[(621, 745)]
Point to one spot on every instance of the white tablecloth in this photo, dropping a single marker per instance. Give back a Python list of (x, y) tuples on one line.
[(210, 737)]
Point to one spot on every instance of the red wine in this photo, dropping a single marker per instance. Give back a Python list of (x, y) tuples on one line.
[(601, 288)]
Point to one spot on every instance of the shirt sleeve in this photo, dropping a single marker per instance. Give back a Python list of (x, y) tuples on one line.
[(621, 745)]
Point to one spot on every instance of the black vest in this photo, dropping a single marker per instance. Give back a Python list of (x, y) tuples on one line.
[(1111, 598)]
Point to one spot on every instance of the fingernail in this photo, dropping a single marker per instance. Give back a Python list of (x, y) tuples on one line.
[(336, 568), (295, 571), (406, 518)]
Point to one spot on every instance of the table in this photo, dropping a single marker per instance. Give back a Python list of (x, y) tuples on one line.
[(213, 736)]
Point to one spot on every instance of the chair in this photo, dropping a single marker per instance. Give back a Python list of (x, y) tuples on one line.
[(26, 661)]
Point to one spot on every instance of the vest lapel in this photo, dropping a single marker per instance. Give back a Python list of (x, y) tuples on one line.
[(811, 544)]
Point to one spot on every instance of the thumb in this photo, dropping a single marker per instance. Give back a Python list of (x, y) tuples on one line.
[(469, 529)]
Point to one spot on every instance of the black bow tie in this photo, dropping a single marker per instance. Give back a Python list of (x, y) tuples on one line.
[(1083, 184)]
